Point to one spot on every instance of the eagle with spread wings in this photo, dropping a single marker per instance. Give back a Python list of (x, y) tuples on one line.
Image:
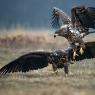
[(76, 27), (37, 60)]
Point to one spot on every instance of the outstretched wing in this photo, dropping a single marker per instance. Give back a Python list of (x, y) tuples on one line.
[(83, 17), (31, 61), (59, 18)]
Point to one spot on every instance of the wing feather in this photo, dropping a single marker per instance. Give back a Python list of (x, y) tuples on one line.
[(83, 16), (31, 61), (91, 12), (59, 18)]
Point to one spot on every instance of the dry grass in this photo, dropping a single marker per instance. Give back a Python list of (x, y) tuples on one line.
[(80, 81), (35, 39)]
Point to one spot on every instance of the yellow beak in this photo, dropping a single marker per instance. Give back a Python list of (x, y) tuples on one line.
[(81, 51)]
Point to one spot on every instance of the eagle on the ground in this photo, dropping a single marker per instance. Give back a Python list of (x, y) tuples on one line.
[(41, 59)]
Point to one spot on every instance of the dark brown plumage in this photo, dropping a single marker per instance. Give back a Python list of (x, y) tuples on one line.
[(34, 61), (31, 61), (83, 18)]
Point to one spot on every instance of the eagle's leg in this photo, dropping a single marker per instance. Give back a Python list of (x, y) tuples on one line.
[(54, 66), (74, 55), (66, 70), (74, 47)]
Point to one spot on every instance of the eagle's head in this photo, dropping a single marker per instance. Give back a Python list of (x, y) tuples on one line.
[(62, 31)]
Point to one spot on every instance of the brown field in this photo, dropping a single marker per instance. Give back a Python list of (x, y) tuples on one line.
[(14, 43)]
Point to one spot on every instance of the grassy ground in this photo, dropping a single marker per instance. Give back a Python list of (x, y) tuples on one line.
[(80, 81)]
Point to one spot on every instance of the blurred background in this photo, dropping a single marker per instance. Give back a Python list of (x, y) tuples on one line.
[(35, 14)]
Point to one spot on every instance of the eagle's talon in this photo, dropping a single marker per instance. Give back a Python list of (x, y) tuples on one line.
[(81, 51), (74, 55)]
